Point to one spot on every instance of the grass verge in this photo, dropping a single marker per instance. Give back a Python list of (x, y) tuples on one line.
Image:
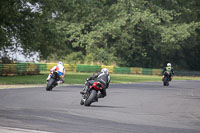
[(79, 78)]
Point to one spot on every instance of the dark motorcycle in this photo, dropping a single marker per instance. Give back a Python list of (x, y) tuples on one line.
[(166, 79), (52, 81), (91, 94)]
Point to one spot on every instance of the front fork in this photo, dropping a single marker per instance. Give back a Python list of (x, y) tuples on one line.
[(87, 92)]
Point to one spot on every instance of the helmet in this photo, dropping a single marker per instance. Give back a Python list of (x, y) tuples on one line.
[(105, 70), (168, 64), (60, 62)]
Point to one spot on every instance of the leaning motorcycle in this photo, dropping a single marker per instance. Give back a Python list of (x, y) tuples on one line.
[(52, 81), (91, 93)]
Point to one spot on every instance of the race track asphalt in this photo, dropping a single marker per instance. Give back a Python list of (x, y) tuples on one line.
[(128, 108)]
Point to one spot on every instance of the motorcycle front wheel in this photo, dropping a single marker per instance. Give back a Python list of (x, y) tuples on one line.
[(91, 98), (165, 82), (50, 84)]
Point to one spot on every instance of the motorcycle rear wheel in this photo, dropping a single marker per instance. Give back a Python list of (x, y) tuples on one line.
[(91, 98)]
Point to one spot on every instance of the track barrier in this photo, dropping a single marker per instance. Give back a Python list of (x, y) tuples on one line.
[(38, 68)]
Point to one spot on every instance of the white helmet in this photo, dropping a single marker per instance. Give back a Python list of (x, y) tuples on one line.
[(60, 62), (105, 70), (168, 64)]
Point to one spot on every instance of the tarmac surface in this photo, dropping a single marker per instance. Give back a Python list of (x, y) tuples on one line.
[(128, 108)]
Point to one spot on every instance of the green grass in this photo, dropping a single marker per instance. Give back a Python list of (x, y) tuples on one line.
[(117, 78), (79, 78)]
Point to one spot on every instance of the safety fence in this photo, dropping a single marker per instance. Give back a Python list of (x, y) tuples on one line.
[(19, 69), (38, 68)]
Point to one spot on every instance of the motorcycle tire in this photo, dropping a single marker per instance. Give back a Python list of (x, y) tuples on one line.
[(91, 98), (165, 82), (50, 84)]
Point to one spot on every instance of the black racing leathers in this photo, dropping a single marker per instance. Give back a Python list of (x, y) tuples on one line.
[(103, 78), (168, 71)]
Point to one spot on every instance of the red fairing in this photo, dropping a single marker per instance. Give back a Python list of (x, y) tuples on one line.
[(97, 86)]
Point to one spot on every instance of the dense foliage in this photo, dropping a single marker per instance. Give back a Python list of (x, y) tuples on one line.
[(145, 33)]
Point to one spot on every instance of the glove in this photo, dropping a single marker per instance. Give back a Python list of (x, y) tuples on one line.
[(86, 81), (51, 71)]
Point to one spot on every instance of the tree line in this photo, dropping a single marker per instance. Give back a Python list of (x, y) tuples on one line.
[(132, 33)]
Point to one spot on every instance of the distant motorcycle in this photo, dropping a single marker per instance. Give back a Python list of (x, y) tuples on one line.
[(53, 81), (166, 79), (91, 94)]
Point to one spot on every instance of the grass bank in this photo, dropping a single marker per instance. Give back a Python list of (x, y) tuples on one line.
[(79, 78)]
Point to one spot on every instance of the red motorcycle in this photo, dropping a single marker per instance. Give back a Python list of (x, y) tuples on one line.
[(91, 93)]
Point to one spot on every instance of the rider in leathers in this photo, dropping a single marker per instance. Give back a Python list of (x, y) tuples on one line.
[(168, 71), (103, 77)]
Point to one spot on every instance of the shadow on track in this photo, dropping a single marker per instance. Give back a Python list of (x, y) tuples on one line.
[(103, 106), (60, 91)]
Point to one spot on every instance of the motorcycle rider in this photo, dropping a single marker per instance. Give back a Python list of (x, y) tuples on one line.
[(103, 77), (168, 71), (61, 72)]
